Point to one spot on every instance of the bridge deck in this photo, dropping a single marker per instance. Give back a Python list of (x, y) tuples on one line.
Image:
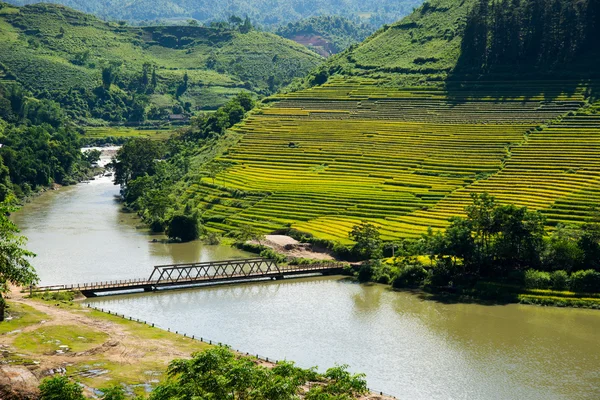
[(198, 273)]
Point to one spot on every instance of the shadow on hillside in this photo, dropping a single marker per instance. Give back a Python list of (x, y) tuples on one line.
[(525, 81)]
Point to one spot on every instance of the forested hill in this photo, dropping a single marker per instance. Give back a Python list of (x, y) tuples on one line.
[(504, 38), (267, 13), (327, 35), (111, 72)]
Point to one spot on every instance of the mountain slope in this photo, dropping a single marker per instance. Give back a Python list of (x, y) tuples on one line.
[(325, 34), (61, 54), (454, 39), (399, 132), (267, 13)]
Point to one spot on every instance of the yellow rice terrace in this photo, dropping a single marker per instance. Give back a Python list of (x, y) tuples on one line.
[(323, 159)]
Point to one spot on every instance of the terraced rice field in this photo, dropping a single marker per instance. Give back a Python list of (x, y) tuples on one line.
[(407, 159)]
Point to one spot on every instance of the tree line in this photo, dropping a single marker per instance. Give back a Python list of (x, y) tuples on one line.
[(493, 242), (541, 33), (38, 147)]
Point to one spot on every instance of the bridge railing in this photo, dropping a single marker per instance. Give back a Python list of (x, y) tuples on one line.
[(165, 271)]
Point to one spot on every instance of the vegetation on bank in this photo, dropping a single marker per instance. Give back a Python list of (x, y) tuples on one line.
[(105, 72), (147, 171), (38, 147), (219, 373), (499, 252)]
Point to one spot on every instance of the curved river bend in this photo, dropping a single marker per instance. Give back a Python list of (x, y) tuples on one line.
[(408, 347)]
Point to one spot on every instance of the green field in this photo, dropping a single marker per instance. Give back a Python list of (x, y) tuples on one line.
[(119, 132), (406, 159)]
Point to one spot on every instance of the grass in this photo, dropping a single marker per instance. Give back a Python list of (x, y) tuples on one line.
[(120, 132), (139, 363), (323, 159), (49, 339), (20, 316)]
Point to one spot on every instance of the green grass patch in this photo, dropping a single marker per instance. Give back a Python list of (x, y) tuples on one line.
[(49, 339), (20, 316), (120, 132)]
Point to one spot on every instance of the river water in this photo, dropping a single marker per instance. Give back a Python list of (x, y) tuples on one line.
[(411, 348)]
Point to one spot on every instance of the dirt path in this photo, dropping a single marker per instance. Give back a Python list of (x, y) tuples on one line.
[(292, 248)]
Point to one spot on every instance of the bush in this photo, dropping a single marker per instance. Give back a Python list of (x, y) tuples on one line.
[(560, 280), (585, 281), (442, 274), (184, 228), (213, 238), (60, 388), (410, 276), (537, 279)]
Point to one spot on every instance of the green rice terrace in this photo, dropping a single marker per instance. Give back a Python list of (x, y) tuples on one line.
[(323, 159)]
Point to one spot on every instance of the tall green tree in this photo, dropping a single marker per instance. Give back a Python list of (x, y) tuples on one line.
[(15, 268), (367, 240), (136, 158)]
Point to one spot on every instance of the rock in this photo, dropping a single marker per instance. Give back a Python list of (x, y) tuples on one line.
[(18, 383)]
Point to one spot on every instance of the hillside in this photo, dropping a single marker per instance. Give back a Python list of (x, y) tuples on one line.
[(368, 145), (326, 35), (447, 39), (266, 13), (97, 70)]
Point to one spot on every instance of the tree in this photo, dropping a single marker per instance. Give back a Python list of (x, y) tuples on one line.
[(246, 26), (108, 77), (136, 158), (368, 241), (92, 156), (589, 243), (60, 388), (247, 232), (113, 393), (214, 169), (14, 259), (184, 228)]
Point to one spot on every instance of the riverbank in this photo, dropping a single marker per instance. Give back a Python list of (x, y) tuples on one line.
[(97, 349)]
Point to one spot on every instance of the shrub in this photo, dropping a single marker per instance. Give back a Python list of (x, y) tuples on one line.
[(442, 274), (560, 280), (410, 276), (60, 388), (213, 238), (537, 279), (113, 393), (585, 281), (184, 228)]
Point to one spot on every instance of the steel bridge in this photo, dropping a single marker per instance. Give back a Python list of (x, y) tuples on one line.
[(197, 274)]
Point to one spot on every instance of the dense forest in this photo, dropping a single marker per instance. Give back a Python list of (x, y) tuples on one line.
[(331, 34), (37, 147), (107, 72), (263, 12), (449, 38), (541, 33)]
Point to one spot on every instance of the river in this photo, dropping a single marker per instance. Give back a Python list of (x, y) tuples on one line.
[(411, 348)]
